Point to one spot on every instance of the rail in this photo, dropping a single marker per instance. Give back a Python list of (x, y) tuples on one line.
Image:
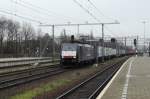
[(89, 88)]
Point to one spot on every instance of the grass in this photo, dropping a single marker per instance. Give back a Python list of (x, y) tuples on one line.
[(41, 90)]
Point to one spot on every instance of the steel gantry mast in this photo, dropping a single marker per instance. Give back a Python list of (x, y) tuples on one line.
[(78, 25)]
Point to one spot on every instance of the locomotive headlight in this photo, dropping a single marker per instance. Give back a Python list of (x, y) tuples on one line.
[(74, 56)]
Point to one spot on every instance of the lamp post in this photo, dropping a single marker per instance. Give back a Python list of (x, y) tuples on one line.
[(144, 23)]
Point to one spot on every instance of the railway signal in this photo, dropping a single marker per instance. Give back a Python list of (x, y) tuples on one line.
[(113, 40), (135, 42)]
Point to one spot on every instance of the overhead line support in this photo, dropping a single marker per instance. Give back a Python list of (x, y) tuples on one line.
[(82, 24)]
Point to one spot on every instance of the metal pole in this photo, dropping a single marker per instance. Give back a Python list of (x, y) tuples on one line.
[(102, 42), (137, 41), (96, 49), (144, 22), (53, 45), (144, 37), (78, 29), (125, 45), (149, 48), (40, 47)]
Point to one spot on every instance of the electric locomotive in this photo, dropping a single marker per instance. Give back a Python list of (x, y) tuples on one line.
[(80, 53), (76, 53)]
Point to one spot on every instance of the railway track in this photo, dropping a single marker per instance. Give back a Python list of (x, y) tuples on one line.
[(90, 88), (22, 77), (29, 71), (17, 63), (20, 65)]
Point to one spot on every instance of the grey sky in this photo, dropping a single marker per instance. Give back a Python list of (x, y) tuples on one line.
[(130, 13)]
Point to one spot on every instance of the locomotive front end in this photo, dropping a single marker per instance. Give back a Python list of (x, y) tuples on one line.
[(68, 53)]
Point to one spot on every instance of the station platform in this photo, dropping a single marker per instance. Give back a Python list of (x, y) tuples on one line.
[(132, 81)]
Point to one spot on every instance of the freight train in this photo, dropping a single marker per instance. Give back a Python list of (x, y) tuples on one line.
[(80, 53)]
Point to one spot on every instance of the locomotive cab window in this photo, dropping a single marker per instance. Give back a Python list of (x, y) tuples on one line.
[(69, 47)]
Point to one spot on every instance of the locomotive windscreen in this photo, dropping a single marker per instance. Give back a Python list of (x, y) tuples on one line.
[(69, 50), (69, 47)]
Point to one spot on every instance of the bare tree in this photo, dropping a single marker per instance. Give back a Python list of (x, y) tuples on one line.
[(3, 22), (21, 40), (28, 34), (12, 36), (16, 37)]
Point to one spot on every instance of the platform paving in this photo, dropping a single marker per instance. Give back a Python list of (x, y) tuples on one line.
[(132, 81)]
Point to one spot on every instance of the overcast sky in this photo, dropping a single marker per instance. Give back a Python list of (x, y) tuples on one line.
[(130, 14)]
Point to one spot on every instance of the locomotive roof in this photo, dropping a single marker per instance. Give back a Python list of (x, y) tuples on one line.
[(99, 43), (80, 44), (106, 44)]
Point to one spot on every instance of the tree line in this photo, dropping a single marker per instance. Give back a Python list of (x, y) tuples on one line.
[(22, 40)]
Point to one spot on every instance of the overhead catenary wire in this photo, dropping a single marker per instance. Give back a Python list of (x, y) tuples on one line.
[(31, 8), (98, 10), (86, 10), (22, 17), (110, 31), (92, 15), (46, 11), (104, 16), (43, 9), (22, 5)]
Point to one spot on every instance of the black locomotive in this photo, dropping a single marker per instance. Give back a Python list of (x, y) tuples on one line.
[(79, 53)]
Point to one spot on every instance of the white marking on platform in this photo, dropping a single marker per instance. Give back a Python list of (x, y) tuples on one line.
[(111, 81), (148, 76), (138, 76), (125, 88), (131, 76)]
